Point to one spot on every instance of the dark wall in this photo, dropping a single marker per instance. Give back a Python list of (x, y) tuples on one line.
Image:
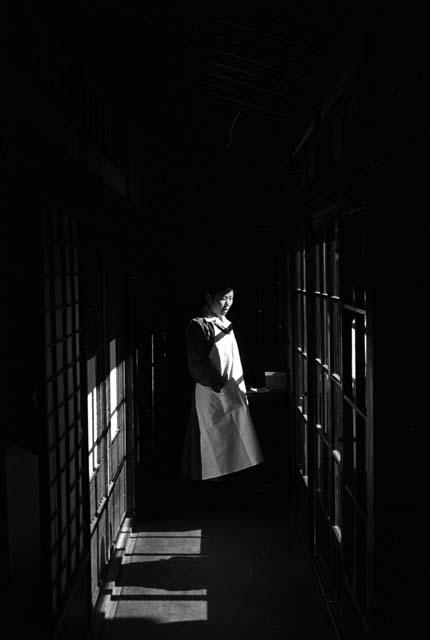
[(402, 349)]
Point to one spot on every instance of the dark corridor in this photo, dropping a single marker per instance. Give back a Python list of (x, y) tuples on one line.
[(148, 149), (224, 561)]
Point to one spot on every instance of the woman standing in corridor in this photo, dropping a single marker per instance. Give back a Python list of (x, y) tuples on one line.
[(220, 437)]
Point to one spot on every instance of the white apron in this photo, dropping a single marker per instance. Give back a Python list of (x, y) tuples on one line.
[(228, 441)]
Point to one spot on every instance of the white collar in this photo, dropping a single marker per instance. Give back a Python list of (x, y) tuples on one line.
[(223, 321)]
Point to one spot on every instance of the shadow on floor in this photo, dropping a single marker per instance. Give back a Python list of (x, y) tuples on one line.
[(224, 561)]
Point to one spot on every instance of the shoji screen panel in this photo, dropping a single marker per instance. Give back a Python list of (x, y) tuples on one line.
[(65, 414), (357, 430), (97, 403), (115, 349), (301, 364), (117, 436), (106, 361), (339, 428), (327, 404)]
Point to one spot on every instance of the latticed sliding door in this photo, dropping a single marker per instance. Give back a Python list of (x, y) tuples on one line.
[(87, 414), (299, 355), (340, 425), (117, 395), (357, 428), (327, 405), (67, 477), (106, 405), (327, 342)]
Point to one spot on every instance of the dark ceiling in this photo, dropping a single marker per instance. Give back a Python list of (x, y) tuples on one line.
[(219, 93), (265, 63), (218, 90), (233, 65), (208, 76)]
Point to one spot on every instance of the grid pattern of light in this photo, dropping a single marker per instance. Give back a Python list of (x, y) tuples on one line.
[(66, 473), (106, 399)]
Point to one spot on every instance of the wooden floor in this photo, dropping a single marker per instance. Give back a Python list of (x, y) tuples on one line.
[(222, 561)]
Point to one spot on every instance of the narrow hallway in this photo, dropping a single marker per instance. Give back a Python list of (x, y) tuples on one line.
[(206, 207), (226, 562)]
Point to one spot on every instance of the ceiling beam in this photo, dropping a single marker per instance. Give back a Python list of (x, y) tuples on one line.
[(257, 63), (266, 50), (283, 97), (280, 83), (266, 34), (248, 107)]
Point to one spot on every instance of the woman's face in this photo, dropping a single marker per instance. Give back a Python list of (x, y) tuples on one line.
[(221, 302)]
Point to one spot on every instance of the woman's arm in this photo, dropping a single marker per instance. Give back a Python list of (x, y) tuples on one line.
[(199, 365)]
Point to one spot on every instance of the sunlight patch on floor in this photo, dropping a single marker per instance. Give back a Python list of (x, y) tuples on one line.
[(167, 612), (162, 578), (167, 543)]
